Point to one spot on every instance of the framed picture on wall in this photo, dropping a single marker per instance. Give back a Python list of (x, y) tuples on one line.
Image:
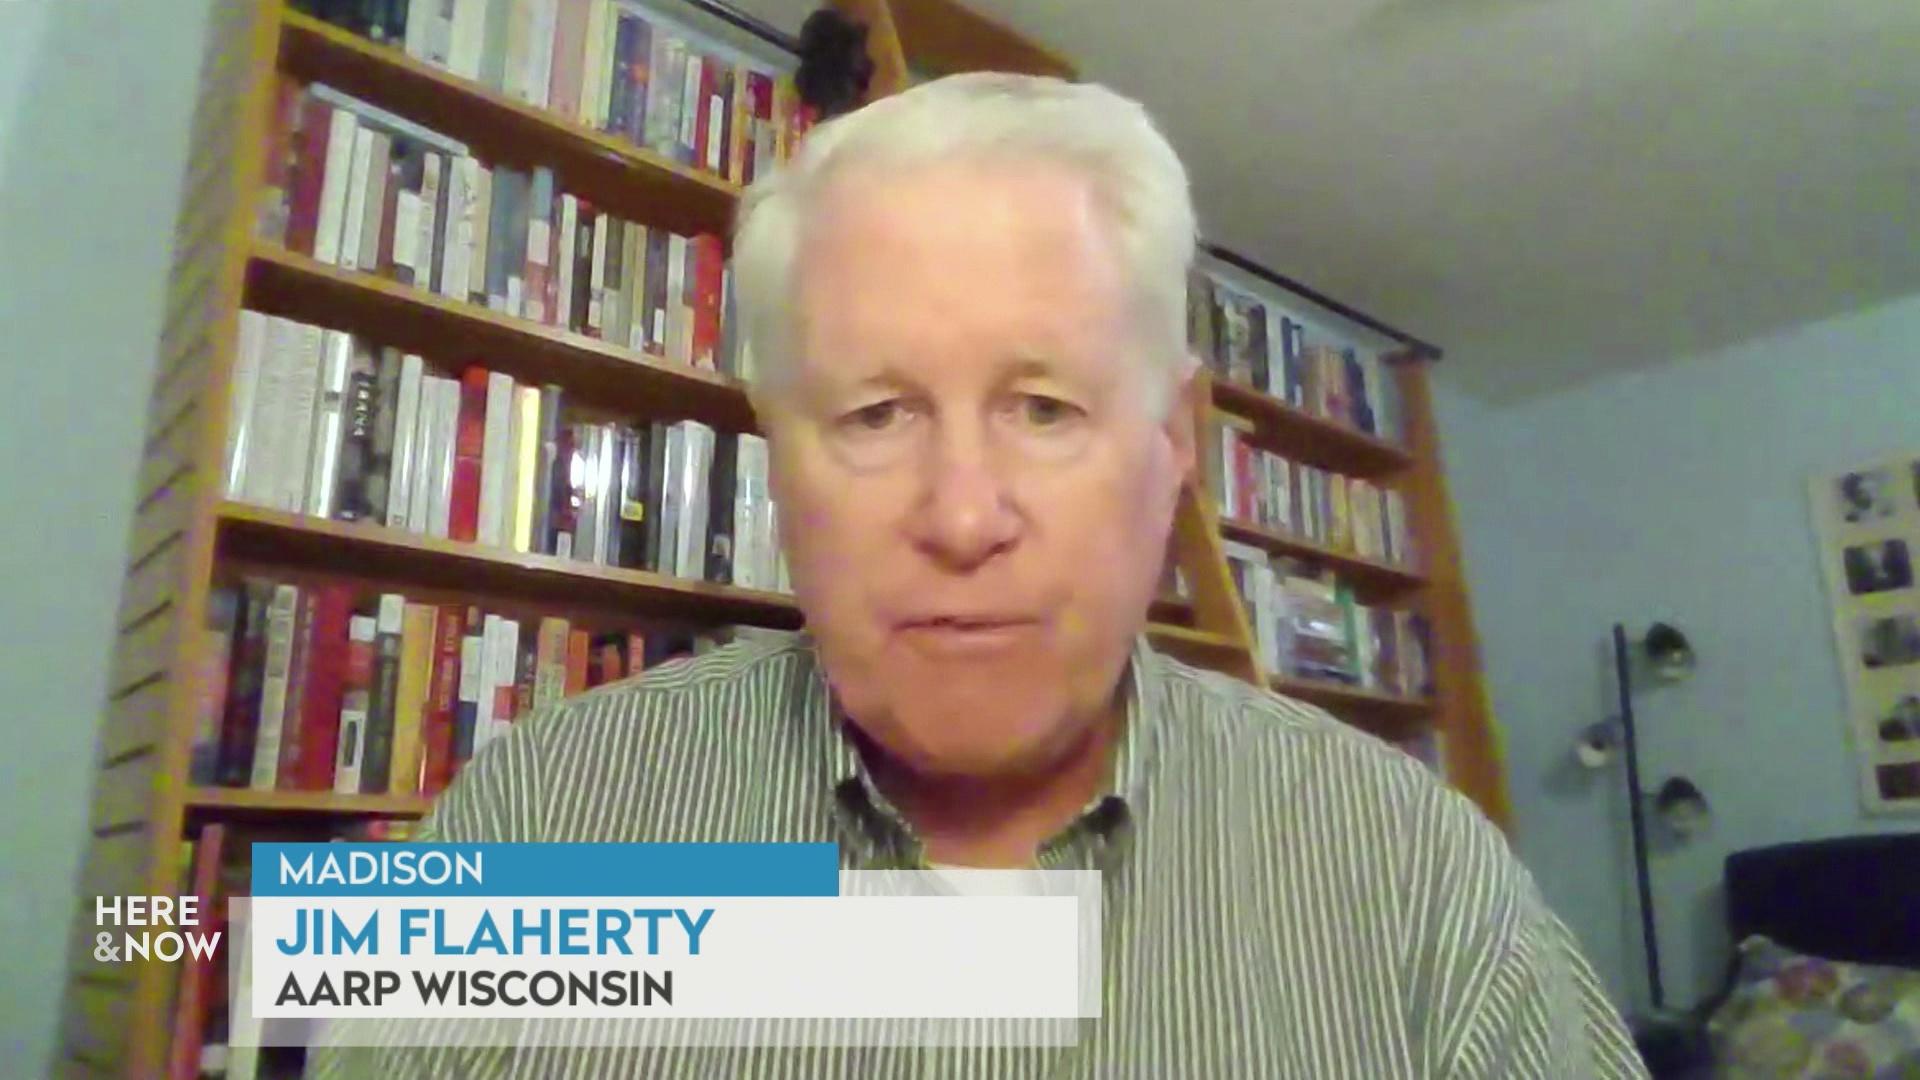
[(1867, 518)]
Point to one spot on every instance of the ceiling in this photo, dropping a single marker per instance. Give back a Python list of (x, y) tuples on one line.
[(1548, 189)]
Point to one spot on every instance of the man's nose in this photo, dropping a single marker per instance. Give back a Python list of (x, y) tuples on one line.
[(966, 513)]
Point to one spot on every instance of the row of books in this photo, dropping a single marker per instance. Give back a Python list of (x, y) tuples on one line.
[(321, 687), (1259, 487), (216, 866), (327, 424), (615, 66), (1251, 342), (357, 187), (1308, 625)]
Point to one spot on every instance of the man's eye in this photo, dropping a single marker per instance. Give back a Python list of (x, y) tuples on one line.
[(1042, 411), (879, 416)]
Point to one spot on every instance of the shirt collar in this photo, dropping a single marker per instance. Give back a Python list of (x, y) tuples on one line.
[(1125, 798)]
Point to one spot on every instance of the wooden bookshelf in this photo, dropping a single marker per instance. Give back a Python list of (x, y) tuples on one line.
[(1374, 581), (1314, 440), (186, 536), (282, 282), (631, 180), (254, 537), (1388, 715), (230, 803)]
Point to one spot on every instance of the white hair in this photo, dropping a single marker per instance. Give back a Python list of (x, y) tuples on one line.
[(1137, 179)]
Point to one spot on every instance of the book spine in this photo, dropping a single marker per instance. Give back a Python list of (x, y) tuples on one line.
[(739, 123), (244, 386), (498, 239), (506, 672), (473, 669), (480, 225), (540, 45), (239, 719), (634, 289), (526, 467), (565, 240), (613, 301), (496, 467), (469, 35), (383, 227), (281, 625), (665, 66), (653, 294), (343, 140), (417, 623), (283, 138), (330, 607), (620, 88), (382, 701), (353, 224), (597, 276), (469, 449), (745, 553), (538, 271), (357, 684), (606, 483), (402, 448), (353, 470), (709, 265), (640, 79), (455, 230), (673, 464), (716, 82), (693, 113), (330, 402), (720, 500), (631, 525), (679, 339), (437, 726), (569, 57), (307, 176), (293, 426), (550, 667)]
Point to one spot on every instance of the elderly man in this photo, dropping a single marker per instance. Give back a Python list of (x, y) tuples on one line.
[(968, 301)]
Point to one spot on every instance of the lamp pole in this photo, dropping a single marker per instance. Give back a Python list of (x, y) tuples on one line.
[(1636, 807)]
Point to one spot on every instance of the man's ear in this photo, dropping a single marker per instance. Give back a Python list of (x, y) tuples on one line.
[(1182, 423)]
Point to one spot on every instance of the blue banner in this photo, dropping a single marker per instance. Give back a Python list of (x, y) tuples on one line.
[(624, 870)]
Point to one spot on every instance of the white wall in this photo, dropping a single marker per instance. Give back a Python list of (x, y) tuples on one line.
[(1679, 493), (95, 97)]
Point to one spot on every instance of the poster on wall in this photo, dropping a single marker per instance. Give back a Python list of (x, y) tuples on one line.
[(1868, 521)]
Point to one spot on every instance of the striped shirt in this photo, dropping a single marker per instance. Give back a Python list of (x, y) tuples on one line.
[(1282, 895)]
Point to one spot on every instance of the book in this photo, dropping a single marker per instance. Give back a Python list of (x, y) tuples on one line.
[(383, 697), (469, 449), (280, 625), (467, 713), (437, 729), (403, 444), (526, 465), (327, 614), (414, 682), (354, 435), (233, 759), (356, 692)]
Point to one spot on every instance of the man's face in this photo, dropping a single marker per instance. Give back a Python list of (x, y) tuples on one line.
[(975, 486)]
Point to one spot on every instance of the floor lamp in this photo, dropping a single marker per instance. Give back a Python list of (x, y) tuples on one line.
[(1672, 1045)]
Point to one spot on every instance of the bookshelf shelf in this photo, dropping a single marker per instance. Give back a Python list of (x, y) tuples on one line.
[(240, 802), (257, 536), (1313, 440), (283, 282), (1388, 715), (616, 174), (1373, 580)]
